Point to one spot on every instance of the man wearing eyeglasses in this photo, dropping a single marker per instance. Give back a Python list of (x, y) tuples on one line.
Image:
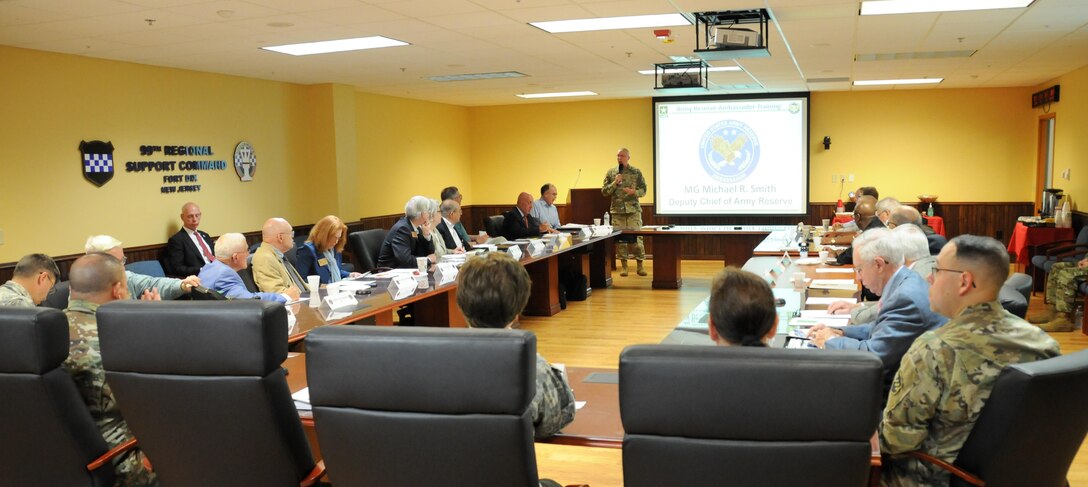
[(272, 272), (947, 374), (33, 278), (904, 311)]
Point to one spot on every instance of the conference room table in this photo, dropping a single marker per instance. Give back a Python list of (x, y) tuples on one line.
[(435, 303), (598, 423), (738, 242)]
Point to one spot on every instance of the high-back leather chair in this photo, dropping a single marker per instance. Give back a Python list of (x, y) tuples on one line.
[(423, 406), (58, 296), (365, 246), (711, 416), (201, 387), (493, 225), (151, 268), (47, 435), (1031, 426)]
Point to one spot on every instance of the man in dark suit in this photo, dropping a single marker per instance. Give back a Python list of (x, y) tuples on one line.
[(907, 214), (865, 216), (190, 249), (410, 236), (451, 216), (518, 223)]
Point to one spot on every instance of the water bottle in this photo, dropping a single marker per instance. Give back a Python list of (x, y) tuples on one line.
[(929, 211), (607, 219), (803, 248)]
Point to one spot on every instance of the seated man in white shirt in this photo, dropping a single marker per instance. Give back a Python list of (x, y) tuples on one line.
[(451, 216), (544, 209)]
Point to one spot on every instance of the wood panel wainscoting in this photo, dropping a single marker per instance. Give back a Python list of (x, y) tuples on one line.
[(995, 219)]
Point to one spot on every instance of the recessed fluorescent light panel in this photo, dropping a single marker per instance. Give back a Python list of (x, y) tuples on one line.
[(916, 81), (710, 69), (475, 76), (612, 23), (887, 7), (557, 95), (340, 45)]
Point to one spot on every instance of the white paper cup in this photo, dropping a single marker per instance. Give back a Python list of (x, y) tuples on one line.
[(823, 256), (314, 285), (596, 222), (826, 222), (798, 280), (421, 264)]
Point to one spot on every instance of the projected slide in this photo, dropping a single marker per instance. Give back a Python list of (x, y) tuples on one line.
[(731, 156)]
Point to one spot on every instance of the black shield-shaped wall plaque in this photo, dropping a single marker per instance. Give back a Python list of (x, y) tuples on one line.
[(97, 161)]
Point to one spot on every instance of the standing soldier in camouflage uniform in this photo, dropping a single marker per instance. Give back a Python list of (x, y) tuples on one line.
[(491, 292), (33, 278), (625, 185), (1061, 294), (95, 279), (946, 377)]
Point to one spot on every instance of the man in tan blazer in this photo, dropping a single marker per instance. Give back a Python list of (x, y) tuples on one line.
[(272, 272)]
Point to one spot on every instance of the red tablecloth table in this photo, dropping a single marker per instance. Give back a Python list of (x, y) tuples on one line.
[(1024, 238), (936, 223)]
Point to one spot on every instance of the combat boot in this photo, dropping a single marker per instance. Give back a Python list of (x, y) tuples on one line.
[(623, 268), (1043, 315), (1061, 322), (640, 270)]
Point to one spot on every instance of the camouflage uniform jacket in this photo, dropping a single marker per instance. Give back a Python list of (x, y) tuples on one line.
[(621, 201), (13, 294), (943, 383), (84, 364), (552, 407)]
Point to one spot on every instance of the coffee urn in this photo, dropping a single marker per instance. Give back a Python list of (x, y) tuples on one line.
[(1050, 202)]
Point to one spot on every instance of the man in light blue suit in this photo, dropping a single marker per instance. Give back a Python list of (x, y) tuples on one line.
[(221, 274), (904, 312)]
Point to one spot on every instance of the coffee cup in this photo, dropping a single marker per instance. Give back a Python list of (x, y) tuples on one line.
[(798, 280), (596, 222), (421, 264)]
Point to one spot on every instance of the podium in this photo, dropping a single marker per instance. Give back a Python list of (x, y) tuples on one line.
[(586, 204)]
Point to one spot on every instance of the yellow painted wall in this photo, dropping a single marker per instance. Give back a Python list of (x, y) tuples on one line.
[(407, 148), (1070, 141), (960, 144), (518, 148), (53, 101)]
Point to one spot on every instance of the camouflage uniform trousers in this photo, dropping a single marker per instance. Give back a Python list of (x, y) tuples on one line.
[(629, 221), (552, 406), (1061, 285)]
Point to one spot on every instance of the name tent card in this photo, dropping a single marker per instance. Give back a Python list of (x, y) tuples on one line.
[(584, 232), (536, 247), (340, 301), (514, 252), (401, 287), (786, 259), (445, 273)]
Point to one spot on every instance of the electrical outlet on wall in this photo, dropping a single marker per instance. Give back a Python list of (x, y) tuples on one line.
[(1065, 174), (851, 178), (835, 178)]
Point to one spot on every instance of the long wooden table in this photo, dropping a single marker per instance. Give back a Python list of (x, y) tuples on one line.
[(435, 304), (739, 242)]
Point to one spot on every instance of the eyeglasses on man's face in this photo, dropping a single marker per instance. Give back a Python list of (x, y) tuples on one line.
[(938, 270)]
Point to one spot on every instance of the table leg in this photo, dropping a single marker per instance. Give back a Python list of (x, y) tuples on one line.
[(667, 262), (601, 259), (440, 310), (544, 296)]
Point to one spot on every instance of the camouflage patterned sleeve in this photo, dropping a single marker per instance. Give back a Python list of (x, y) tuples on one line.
[(552, 407), (916, 392), (640, 185)]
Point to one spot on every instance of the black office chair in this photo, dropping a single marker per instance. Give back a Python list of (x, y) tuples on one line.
[(58, 296), (1030, 428), (493, 225), (201, 386), (151, 268), (247, 279), (424, 406), (365, 246), (49, 436), (710, 416)]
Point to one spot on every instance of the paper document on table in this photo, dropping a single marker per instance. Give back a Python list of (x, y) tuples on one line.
[(396, 273), (302, 400), (818, 300), (572, 226), (809, 322), (819, 314), (845, 284), (579, 405), (834, 270), (349, 285)]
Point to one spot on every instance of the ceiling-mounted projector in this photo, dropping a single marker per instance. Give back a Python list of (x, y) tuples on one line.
[(681, 80), (724, 35), (683, 77)]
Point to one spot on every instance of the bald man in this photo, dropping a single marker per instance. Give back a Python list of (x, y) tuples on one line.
[(191, 248), (518, 223), (272, 272), (95, 279)]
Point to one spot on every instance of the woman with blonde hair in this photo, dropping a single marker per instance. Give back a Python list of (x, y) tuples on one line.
[(322, 253)]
